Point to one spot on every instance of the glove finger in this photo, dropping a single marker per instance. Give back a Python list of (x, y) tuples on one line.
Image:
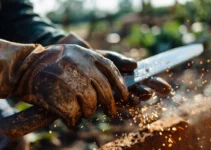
[(160, 86), (88, 102), (143, 92), (138, 93), (104, 96), (123, 63), (113, 76), (133, 100)]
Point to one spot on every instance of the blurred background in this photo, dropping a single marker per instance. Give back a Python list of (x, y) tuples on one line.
[(134, 27), (137, 29)]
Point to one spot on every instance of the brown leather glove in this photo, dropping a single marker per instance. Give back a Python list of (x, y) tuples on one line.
[(140, 92), (68, 80)]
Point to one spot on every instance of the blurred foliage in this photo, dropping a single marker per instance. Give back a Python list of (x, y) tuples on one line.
[(173, 24), (171, 28), (22, 106), (181, 13), (203, 10), (140, 36), (166, 37), (125, 6)]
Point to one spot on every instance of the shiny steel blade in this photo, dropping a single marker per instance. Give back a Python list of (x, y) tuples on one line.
[(161, 62)]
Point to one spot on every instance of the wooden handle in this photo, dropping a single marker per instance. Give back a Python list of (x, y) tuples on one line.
[(27, 121)]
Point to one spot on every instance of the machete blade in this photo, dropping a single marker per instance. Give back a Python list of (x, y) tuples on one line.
[(161, 62)]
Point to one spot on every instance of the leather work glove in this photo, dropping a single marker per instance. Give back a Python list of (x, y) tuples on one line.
[(140, 92), (68, 80)]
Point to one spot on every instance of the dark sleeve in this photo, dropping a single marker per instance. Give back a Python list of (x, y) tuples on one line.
[(20, 24)]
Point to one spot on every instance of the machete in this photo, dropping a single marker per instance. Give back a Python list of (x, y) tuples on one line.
[(161, 62), (34, 118)]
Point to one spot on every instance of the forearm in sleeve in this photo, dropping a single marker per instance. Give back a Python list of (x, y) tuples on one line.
[(20, 24)]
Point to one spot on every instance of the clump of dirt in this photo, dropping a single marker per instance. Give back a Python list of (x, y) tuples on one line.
[(188, 128)]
